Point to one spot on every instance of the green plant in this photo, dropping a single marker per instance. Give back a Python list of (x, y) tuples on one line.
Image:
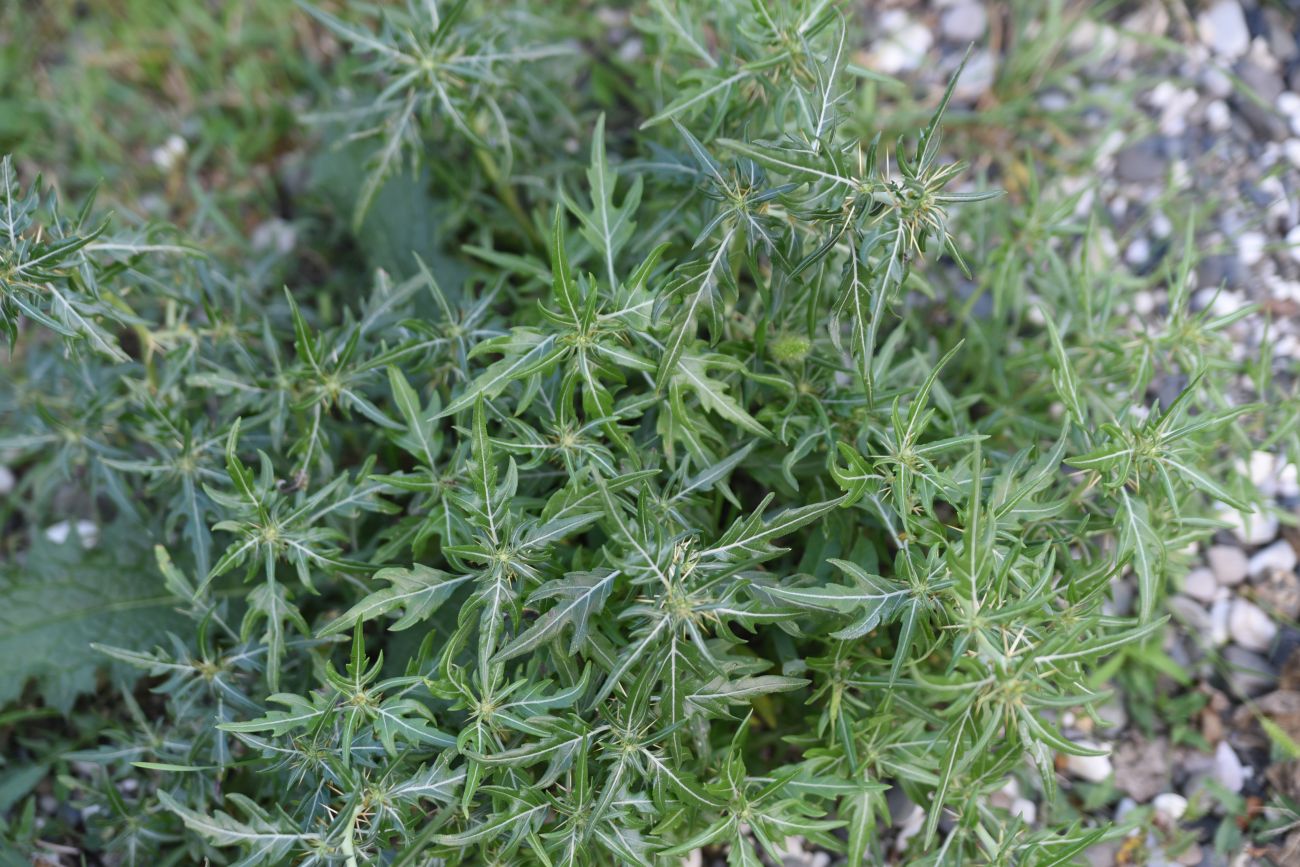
[(681, 512)]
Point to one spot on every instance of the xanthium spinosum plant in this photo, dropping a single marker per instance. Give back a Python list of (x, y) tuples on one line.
[(663, 510)]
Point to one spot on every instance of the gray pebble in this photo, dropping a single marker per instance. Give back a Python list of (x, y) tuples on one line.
[(1263, 119), (964, 22), (1190, 613), (1266, 83), (1201, 585), (1248, 673), (1142, 163), (1228, 563)]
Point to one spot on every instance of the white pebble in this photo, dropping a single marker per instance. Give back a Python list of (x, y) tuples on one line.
[(1161, 226), (1025, 809), (87, 533), (1171, 805), (1279, 201), (170, 152), (1280, 556), (1216, 82), (1222, 302), (275, 234), (1138, 252), (1257, 528), (1227, 768), (911, 826), (1228, 563), (1162, 94), (1288, 477), (1220, 611), (1222, 28), (1173, 118), (964, 22), (903, 51), (7, 480), (1262, 470), (1200, 584), (1217, 116), (1288, 103), (1293, 243), (1291, 150), (1250, 247), (1094, 769), (1144, 303), (1250, 627)]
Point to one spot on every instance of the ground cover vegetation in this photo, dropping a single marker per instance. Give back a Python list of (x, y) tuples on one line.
[(628, 438)]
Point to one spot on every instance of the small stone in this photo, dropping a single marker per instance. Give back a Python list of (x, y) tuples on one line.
[(1054, 101), (1222, 28), (1173, 118), (275, 234), (1262, 470), (910, 827), (1280, 555), (1288, 103), (1219, 614), (1113, 714), (1200, 585), (1120, 603), (1093, 769), (7, 480), (167, 155), (1141, 767), (1228, 769), (1261, 77), (1228, 563), (964, 22), (1170, 805), (1006, 795), (1141, 163), (1281, 43), (1283, 707), (1161, 226), (1279, 593), (1025, 809), (1250, 248), (1293, 243), (1257, 528), (1250, 627), (902, 51), (1124, 808), (1104, 853), (1216, 82), (1288, 476), (1248, 673), (1219, 269), (1267, 124), (87, 533), (1217, 116), (1138, 252), (976, 77), (1163, 94), (1189, 612)]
